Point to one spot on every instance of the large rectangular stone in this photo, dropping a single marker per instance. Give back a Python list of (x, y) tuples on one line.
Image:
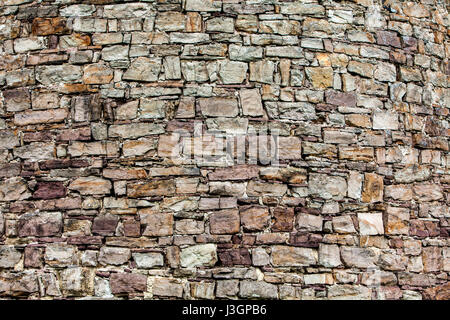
[(285, 256), (218, 107), (37, 117), (152, 188), (135, 130)]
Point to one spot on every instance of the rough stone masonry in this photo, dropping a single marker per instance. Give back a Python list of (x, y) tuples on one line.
[(103, 196)]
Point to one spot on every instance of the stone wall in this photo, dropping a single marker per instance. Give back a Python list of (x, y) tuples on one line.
[(117, 179)]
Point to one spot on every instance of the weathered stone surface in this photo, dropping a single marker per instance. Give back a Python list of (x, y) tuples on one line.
[(22, 45), (343, 224), (170, 21), (232, 72), (77, 149), (385, 120), (36, 117), (172, 68), (398, 192), (105, 225), (77, 10), (370, 223), (358, 120), (33, 257), (224, 222), (178, 37), (114, 256), (189, 226), (199, 255), (204, 149), (260, 257), (302, 8), (9, 256), (373, 188), (138, 147), (385, 72), (45, 100), (361, 68), (327, 187), (2, 224), (320, 77), (152, 109), (202, 290), (36, 151), (283, 27), (167, 287), (195, 71), (227, 189), (152, 188), (220, 24), (319, 149), (284, 219), (124, 174), (186, 108), (17, 99), (392, 261), (48, 26), (208, 5), (432, 259), (146, 260), (339, 137), (397, 220), (358, 257), (227, 288), (354, 185), (329, 255), (8, 139), (340, 99), (156, 224), (73, 280), (85, 108), (218, 107), (262, 71), (255, 188), (251, 102), (258, 289), (356, 154), (13, 189), (427, 192), (97, 74), (122, 283), (48, 75), (129, 10), (91, 185), (134, 130), (348, 292), (254, 218), (143, 69), (289, 148), (293, 256), (388, 38), (289, 174), (49, 190), (412, 173), (60, 255), (245, 53), (284, 52), (440, 292), (416, 10), (309, 222), (243, 172), (41, 224)]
